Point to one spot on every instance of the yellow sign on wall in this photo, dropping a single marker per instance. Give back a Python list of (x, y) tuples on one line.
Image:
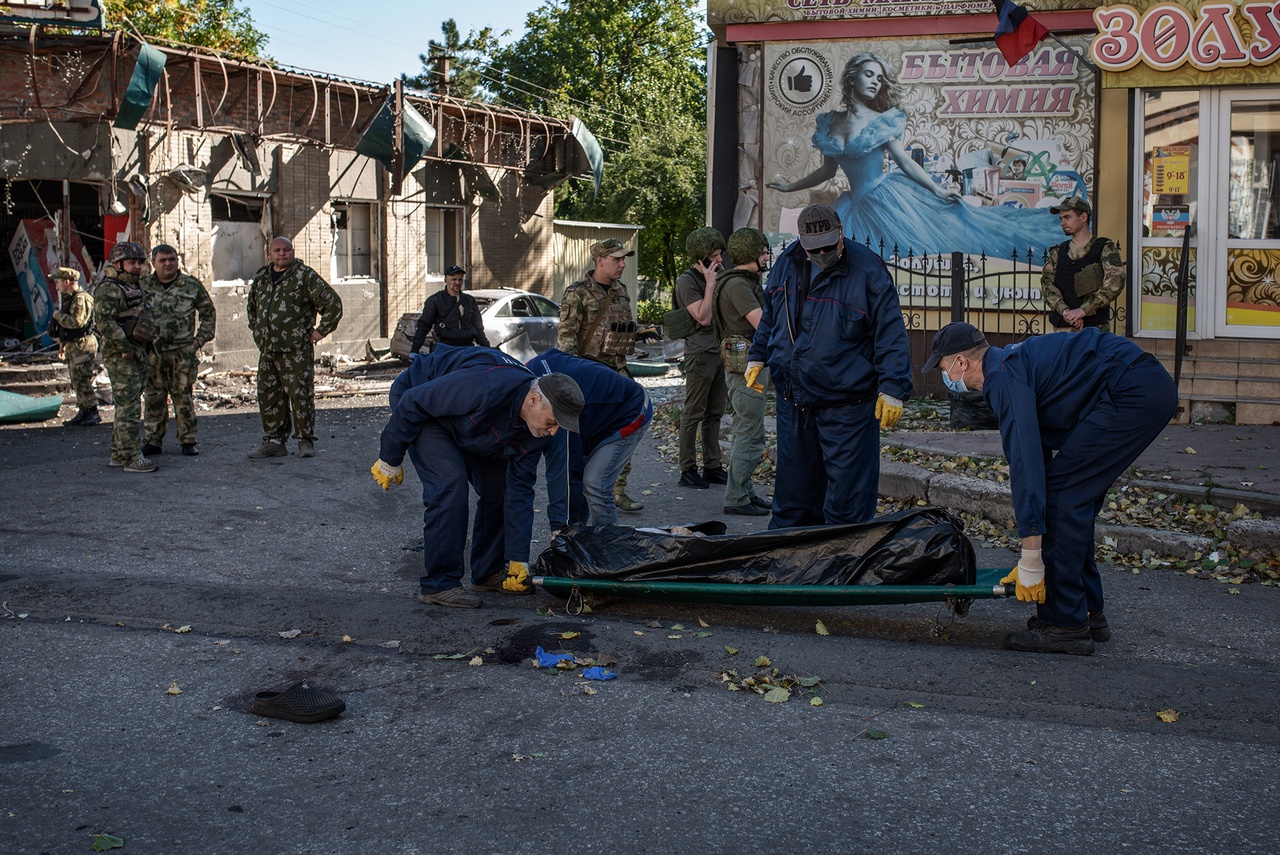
[(1171, 170)]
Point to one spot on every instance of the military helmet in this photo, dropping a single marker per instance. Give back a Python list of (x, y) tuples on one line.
[(126, 249), (702, 242), (747, 245)]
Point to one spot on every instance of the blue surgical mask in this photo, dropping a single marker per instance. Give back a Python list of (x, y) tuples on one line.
[(956, 386)]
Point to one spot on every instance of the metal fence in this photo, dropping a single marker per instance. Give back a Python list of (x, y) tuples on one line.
[(999, 296)]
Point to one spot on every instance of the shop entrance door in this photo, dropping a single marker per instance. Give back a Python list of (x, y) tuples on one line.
[(1248, 214)]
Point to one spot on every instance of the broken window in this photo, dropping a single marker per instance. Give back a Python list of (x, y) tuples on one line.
[(238, 245), (353, 234), (443, 243)]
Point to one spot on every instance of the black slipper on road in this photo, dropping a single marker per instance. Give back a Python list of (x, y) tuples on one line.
[(299, 703)]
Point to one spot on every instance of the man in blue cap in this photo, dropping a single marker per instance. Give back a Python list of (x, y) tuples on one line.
[(1075, 411), (832, 336), (473, 417)]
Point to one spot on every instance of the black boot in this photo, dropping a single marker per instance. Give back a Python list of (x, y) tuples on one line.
[(91, 418), (78, 418)]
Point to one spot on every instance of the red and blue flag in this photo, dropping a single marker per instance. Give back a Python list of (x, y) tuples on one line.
[(1017, 33)]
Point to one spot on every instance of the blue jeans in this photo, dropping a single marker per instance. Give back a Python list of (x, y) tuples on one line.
[(582, 491)]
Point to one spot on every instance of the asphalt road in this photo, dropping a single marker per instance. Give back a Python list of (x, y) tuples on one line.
[(982, 750)]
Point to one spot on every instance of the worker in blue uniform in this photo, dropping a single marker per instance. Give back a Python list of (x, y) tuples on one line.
[(831, 333), (471, 416), (582, 467), (1074, 411)]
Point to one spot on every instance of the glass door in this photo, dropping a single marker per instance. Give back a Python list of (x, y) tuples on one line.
[(1170, 195), (1248, 304)]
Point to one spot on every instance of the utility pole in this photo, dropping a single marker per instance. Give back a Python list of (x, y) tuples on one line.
[(442, 72)]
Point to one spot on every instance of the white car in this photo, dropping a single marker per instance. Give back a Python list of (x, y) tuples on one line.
[(506, 313)]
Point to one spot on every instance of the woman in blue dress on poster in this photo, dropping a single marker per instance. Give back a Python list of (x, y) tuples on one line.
[(906, 208)]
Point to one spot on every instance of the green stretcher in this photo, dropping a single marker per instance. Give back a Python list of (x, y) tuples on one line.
[(986, 587)]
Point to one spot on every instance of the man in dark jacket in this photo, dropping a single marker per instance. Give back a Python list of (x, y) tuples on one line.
[(1075, 411), (583, 466), (453, 315), (832, 336), (473, 417)]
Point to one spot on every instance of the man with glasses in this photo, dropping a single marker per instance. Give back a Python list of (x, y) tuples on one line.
[(832, 336)]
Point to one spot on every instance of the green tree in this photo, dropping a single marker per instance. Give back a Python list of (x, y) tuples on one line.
[(467, 66), (635, 73), (217, 24)]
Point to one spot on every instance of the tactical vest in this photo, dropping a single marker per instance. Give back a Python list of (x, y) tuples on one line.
[(135, 320), (613, 335), (60, 333), (733, 347), (1072, 270)]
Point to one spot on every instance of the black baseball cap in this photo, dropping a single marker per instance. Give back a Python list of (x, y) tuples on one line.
[(453, 270), (954, 338), (565, 397)]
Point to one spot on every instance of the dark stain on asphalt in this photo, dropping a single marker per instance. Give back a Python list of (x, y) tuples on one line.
[(26, 752)]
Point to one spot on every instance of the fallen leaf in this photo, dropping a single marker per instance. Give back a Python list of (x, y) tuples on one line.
[(1235, 591), (290, 633), (703, 623), (646, 492), (675, 636), (821, 628), (346, 639), (184, 628), (777, 695), (173, 689), (815, 702), (103, 842), (476, 660), (877, 734), (636, 632), (449, 656), (763, 662), (590, 690), (1188, 450), (808, 682), (216, 709), (677, 627), (569, 634), (732, 651), (1167, 716), (390, 645), (703, 634), (915, 705), (223, 641), (653, 624)]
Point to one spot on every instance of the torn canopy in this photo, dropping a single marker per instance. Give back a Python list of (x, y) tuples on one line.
[(922, 546), (417, 136)]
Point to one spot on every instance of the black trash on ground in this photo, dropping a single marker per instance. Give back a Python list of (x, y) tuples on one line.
[(921, 546), (971, 412)]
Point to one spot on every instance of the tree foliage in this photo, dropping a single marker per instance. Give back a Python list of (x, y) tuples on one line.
[(467, 66), (217, 24), (635, 74)]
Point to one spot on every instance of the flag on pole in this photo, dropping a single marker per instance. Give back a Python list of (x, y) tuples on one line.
[(1017, 33)]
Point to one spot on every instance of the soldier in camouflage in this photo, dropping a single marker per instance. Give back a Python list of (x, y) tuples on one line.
[(73, 328), (1084, 274), (284, 299), (124, 323), (596, 321), (176, 299)]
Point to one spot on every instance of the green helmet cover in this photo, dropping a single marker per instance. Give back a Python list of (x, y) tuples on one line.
[(746, 245), (702, 242)]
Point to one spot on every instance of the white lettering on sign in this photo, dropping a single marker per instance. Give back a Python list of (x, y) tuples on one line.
[(1167, 36)]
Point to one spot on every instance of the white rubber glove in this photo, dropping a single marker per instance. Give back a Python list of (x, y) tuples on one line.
[(888, 410), (1028, 577), (752, 372), (385, 473)]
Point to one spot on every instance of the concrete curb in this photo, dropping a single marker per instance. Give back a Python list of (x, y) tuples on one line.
[(905, 482)]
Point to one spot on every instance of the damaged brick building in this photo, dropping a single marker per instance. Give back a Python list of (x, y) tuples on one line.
[(158, 144)]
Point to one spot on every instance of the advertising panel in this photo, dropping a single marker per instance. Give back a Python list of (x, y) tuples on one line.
[(926, 146), (721, 12), (34, 251)]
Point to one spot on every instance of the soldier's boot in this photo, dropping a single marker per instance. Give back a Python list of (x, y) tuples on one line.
[(91, 418), (78, 418)]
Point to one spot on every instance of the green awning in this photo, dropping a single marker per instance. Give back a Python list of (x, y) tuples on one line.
[(417, 136), (591, 148), (142, 87)]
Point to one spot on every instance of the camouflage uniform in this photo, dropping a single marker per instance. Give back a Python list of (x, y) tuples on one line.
[(171, 367), (1097, 311), (614, 337), (79, 345), (282, 315), (125, 361)]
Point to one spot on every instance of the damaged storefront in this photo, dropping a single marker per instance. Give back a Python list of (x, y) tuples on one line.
[(103, 138)]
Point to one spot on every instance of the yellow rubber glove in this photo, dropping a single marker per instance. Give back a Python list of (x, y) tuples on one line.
[(517, 581), (888, 410), (1028, 577), (752, 372), (385, 473)]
